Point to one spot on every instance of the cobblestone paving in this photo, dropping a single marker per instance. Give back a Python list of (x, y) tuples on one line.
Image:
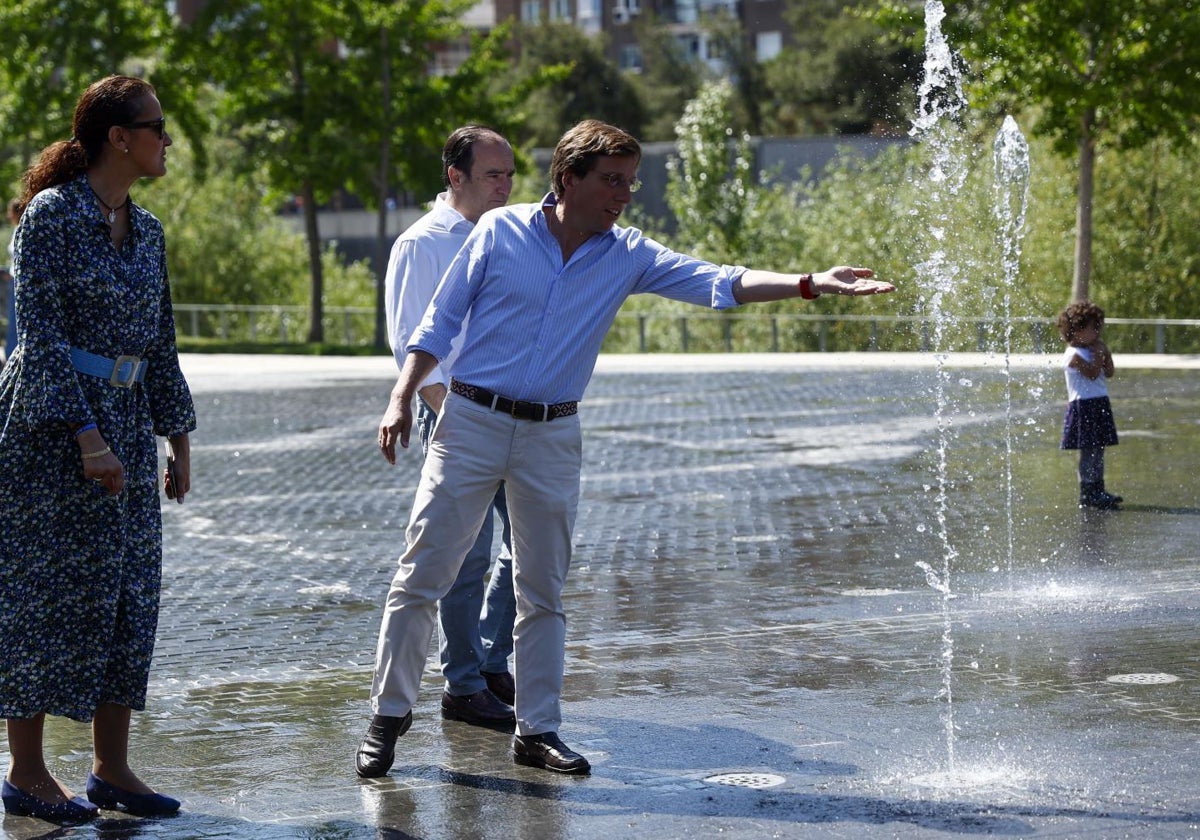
[(744, 600)]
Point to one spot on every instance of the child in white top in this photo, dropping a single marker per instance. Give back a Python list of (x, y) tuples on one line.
[(1088, 425)]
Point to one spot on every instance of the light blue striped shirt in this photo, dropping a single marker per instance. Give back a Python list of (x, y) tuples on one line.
[(536, 325)]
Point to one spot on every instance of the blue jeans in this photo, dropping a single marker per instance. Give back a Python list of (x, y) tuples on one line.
[(475, 626)]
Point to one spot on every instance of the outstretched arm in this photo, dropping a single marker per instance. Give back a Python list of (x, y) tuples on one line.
[(760, 286)]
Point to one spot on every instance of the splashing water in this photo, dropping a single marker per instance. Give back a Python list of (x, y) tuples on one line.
[(941, 100), (1010, 157)]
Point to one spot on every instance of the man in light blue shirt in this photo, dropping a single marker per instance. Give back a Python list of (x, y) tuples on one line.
[(476, 631), (542, 284)]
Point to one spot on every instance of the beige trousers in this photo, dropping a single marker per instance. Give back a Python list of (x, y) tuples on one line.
[(472, 450)]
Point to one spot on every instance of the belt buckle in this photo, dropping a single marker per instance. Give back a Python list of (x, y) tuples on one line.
[(125, 382), (530, 410)]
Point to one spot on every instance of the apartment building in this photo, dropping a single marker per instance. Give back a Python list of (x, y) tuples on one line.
[(762, 23)]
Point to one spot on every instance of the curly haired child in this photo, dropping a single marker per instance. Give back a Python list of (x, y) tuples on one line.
[(1089, 425)]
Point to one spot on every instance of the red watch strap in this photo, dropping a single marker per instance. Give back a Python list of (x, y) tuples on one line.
[(807, 290)]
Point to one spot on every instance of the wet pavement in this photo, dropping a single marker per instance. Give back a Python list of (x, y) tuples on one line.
[(753, 649)]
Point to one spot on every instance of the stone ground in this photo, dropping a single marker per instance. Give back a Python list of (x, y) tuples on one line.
[(813, 596)]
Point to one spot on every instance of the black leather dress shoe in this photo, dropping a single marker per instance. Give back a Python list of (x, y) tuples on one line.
[(479, 709), (378, 749), (502, 685), (548, 752)]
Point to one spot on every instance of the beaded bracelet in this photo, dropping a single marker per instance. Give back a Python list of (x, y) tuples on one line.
[(88, 455), (85, 428)]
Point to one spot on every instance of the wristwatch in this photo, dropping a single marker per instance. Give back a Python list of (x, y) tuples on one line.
[(807, 290)]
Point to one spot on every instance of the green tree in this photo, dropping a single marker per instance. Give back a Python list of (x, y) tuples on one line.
[(326, 92), (287, 99), (1121, 73), (407, 111), (54, 49), (592, 87), (845, 72), (668, 80), (710, 185), (225, 241), (742, 67)]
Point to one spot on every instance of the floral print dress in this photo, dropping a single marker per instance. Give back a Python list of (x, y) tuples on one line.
[(80, 569)]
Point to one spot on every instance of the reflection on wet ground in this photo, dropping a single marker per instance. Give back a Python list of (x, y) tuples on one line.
[(744, 605)]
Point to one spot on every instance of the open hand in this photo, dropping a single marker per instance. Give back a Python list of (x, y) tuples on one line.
[(848, 280)]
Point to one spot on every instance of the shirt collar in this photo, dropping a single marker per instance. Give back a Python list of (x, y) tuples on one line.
[(446, 214)]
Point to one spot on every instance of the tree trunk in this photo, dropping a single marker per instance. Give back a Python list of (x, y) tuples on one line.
[(1083, 214), (316, 328)]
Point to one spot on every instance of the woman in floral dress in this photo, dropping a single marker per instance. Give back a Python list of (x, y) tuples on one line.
[(95, 377)]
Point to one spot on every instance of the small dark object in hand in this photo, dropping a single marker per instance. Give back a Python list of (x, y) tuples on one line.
[(171, 481)]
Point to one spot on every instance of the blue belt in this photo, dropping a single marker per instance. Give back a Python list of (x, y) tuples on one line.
[(123, 371)]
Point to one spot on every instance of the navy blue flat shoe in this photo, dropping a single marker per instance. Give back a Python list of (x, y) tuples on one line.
[(112, 798), (21, 804)]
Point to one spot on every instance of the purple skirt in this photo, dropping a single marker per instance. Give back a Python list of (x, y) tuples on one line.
[(1089, 424)]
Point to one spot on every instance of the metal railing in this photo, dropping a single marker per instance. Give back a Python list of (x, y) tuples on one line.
[(714, 332), (284, 323), (795, 332)]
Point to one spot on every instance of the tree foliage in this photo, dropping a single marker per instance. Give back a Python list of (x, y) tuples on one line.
[(722, 211), (591, 88), (322, 91), (1120, 73), (668, 80), (845, 73), (867, 213), (226, 242), (53, 50)]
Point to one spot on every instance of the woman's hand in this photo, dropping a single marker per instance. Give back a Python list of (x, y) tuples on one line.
[(103, 467)]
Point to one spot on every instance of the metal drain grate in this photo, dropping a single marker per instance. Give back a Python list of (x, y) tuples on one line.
[(1143, 679), (758, 781)]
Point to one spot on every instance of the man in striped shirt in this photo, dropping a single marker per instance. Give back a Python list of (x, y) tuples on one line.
[(541, 284)]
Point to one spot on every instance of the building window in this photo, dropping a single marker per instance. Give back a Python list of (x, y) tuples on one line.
[(768, 45), (631, 58), (531, 11), (625, 10), (560, 9), (690, 43)]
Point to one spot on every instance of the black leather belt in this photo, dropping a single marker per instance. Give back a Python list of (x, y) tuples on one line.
[(519, 409)]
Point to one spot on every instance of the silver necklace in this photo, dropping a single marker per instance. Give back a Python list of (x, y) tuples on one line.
[(110, 213)]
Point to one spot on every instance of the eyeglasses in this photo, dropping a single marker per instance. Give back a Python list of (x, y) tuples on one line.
[(159, 125), (617, 181)]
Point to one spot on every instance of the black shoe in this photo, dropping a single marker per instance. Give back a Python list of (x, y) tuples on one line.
[(479, 709), (502, 685), (548, 752), (1093, 496), (378, 749)]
